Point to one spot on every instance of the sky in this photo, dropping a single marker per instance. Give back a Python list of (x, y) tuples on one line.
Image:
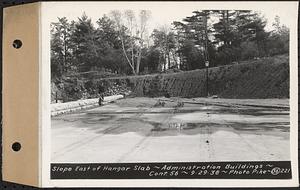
[(164, 13)]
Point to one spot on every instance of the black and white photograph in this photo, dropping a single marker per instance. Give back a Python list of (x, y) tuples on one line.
[(163, 83)]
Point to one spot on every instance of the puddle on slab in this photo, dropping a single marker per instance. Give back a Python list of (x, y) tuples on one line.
[(183, 121), (150, 128), (174, 126)]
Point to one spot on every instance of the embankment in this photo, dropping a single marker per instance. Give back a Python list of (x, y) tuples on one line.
[(264, 78)]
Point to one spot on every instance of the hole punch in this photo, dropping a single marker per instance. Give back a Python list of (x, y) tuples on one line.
[(16, 146), (17, 44)]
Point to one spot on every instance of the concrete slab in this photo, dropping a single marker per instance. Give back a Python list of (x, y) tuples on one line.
[(135, 130)]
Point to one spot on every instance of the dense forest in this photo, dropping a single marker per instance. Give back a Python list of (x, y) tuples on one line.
[(120, 42)]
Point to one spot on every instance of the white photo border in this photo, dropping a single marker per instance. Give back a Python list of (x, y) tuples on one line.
[(47, 13)]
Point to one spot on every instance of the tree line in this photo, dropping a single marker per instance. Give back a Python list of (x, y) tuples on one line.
[(121, 43)]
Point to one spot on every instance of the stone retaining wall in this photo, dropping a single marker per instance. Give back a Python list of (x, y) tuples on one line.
[(61, 108)]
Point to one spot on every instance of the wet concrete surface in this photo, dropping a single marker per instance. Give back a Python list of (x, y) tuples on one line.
[(135, 130)]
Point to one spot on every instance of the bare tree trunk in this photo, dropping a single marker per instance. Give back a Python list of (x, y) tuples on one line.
[(65, 57), (165, 62), (132, 55), (144, 16), (175, 60), (169, 61), (65, 54), (125, 54), (139, 58), (138, 63), (117, 18), (132, 48)]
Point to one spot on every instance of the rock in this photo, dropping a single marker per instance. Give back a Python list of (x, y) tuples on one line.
[(159, 103), (179, 104), (167, 95)]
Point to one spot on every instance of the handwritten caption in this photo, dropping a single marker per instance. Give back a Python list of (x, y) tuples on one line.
[(229, 170)]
